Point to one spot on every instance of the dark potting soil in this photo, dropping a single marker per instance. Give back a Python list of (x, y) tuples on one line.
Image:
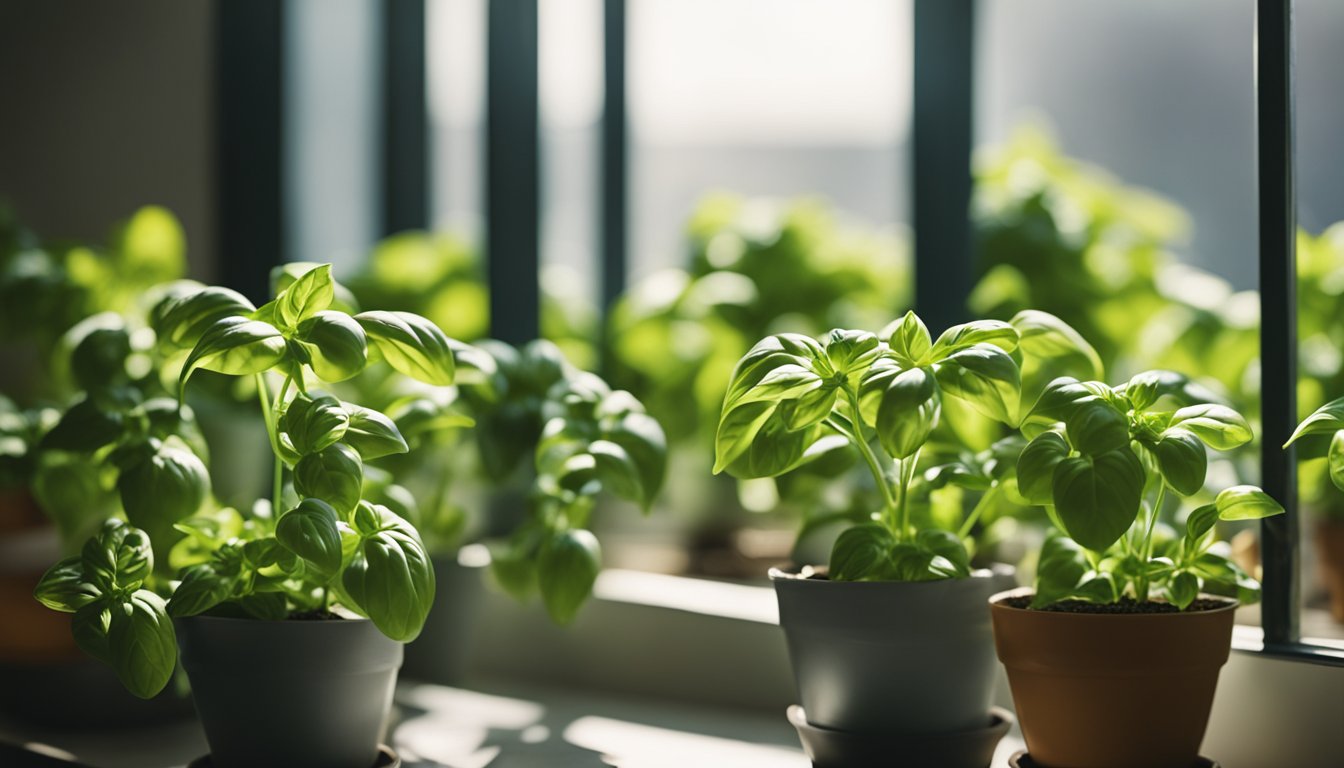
[(315, 615), (1125, 605)]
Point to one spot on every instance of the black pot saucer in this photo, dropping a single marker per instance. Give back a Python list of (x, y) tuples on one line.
[(1023, 760), (387, 758), (828, 748)]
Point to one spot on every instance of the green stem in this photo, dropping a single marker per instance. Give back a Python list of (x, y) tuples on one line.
[(979, 509), (272, 431), (906, 469), (1146, 546), (856, 437)]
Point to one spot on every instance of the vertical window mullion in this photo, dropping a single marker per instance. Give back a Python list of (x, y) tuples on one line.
[(249, 193), (512, 171), (944, 52), (405, 151), (615, 162), (1278, 314)]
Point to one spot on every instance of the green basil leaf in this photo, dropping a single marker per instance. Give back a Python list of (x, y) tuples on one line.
[(64, 587), (783, 383), (236, 346), (767, 354), (100, 358), (861, 552), (141, 643), (202, 588), (334, 474), (984, 376), (421, 417), (851, 351), (1184, 589), (1145, 389), (1097, 497), (1217, 568), (391, 579), (1182, 459), (1060, 569), (1060, 397), (644, 442), (90, 625), (909, 338), (336, 345), (617, 472), (1036, 467), (967, 335), (1200, 521), (947, 546), (311, 293), (1327, 419), (1335, 459), (265, 606), (776, 449), (118, 558), (166, 486), (1044, 336), (84, 428), (372, 433), (180, 319), (309, 531), (313, 423), (285, 275), (410, 344), (873, 387), (1246, 502), (908, 412), (1217, 425), (812, 408), (1097, 588), (567, 567), (1096, 427), (738, 428)]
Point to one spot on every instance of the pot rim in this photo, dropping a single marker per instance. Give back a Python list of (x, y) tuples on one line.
[(802, 574), (996, 603), (351, 621)]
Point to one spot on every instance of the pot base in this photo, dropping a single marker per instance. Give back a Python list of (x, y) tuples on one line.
[(828, 748), (1023, 760), (387, 758)]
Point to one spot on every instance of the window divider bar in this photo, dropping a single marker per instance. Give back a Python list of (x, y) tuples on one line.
[(512, 180), (944, 43), (405, 143), (615, 168), (1279, 539), (248, 144)]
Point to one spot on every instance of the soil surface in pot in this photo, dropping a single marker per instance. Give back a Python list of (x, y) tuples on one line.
[(1125, 605), (315, 615)]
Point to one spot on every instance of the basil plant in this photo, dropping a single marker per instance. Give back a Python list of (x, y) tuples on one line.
[(317, 544), (1323, 431), (793, 399), (586, 441), (1106, 461)]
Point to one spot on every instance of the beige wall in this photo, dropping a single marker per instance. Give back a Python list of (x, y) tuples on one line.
[(105, 107)]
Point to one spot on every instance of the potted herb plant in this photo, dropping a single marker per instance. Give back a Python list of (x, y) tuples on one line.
[(900, 608), (550, 440), (1113, 657), (1323, 433), (326, 582)]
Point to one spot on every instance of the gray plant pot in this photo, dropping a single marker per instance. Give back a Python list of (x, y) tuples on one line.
[(884, 657), (290, 694), (442, 651)]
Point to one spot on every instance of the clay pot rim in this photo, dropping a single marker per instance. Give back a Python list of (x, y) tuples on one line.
[(274, 624), (996, 604), (802, 574)]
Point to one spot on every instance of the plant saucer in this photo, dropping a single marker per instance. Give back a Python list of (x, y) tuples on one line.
[(829, 748), (387, 758), (1023, 760)]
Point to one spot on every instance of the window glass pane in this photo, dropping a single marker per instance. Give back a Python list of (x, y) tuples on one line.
[(456, 80), (765, 97)]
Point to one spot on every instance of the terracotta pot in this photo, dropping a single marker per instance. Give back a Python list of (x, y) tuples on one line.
[(1112, 691), (861, 650), (1330, 545)]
